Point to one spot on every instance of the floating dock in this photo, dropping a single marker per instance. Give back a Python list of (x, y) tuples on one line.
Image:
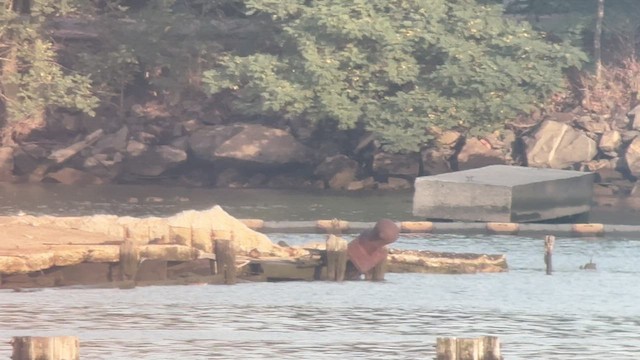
[(501, 193)]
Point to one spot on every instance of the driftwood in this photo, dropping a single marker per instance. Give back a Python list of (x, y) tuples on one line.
[(68, 256), (404, 261), (62, 155)]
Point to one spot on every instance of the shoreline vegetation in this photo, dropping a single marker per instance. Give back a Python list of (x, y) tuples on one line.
[(251, 94)]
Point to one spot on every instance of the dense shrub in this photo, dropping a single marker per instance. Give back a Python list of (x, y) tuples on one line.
[(396, 68)]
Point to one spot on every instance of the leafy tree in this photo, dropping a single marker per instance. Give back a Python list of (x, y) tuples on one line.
[(399, 68), (31, 79)]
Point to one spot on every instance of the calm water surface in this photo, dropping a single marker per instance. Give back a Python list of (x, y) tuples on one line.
[(573, 314)]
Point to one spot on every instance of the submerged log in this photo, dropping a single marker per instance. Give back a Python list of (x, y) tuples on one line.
[(414, 261)]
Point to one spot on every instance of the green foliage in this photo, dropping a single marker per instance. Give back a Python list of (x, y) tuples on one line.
[(31, 80), (398, 68), (574, 20)]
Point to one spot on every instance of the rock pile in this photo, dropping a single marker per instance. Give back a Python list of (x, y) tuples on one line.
[(154, 146)]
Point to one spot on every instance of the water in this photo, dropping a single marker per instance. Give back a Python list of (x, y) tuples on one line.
[(573, 314)]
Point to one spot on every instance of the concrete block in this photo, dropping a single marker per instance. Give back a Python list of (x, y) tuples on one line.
[(502, 193)]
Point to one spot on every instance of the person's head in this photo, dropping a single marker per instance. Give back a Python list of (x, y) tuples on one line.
[(386, 231)]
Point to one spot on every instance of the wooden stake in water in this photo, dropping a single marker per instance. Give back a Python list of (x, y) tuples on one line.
[(336, 258), (46, 348), (483, 348), (129, 260), (225, 260), (377, 273), (549, 240)]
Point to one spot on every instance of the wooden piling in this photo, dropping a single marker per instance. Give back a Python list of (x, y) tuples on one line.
[(549, 240), (225, 256), (483, 348), (336, 258), (129, 260), (45, 348), (377, 273)]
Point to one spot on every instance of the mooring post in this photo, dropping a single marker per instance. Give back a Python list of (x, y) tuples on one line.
[(549, 240), (129, 259), (483, 348), (45, 348), (377, 273), (336, 258), (225, 255)]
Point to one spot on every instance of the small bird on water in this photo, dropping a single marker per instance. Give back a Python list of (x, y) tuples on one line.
[(589, 266)]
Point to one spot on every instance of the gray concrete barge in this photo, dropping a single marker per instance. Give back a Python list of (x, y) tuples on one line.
[(501, 193)]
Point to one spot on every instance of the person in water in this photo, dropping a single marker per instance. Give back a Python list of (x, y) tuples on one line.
[(369, 248)]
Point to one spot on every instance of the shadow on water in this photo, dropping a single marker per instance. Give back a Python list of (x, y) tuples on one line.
[(137, 200)]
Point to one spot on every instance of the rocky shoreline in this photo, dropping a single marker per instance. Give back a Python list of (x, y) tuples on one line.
[(155, 146)]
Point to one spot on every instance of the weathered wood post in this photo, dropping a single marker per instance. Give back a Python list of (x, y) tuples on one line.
[(225, 255), (483, 348), (377, 273), (129, 259), (45, 348), (549, 240), (336, 258)]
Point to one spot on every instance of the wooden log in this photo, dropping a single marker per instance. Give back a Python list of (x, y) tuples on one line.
[(483, 348), (377, 273), (46, 348), (549, 240), (62, 155), (225, 259), (129, 260), (336, 258)]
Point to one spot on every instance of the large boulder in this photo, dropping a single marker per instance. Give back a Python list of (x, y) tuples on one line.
[(337, 171), (107, 166), (111, 143), (632, 157), (476, 153), (70, 176), (396, 164), (610, 142), (6, 163), (436, 161), (557, 145), (265, 146), (204, 140), (154, 161), (251, 143)]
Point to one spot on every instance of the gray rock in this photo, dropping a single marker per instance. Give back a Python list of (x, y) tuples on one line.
[(104, 165), (558, 146), (610, 142), (111, 143), (476, 153), (155, 160), (136, 148), (23, 163), (436, 161), (634, 115), (632, 157), (204, 141), (592, 125), (265, 146), (6, 163), (70, 176), (396, 164), (337, 171)]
